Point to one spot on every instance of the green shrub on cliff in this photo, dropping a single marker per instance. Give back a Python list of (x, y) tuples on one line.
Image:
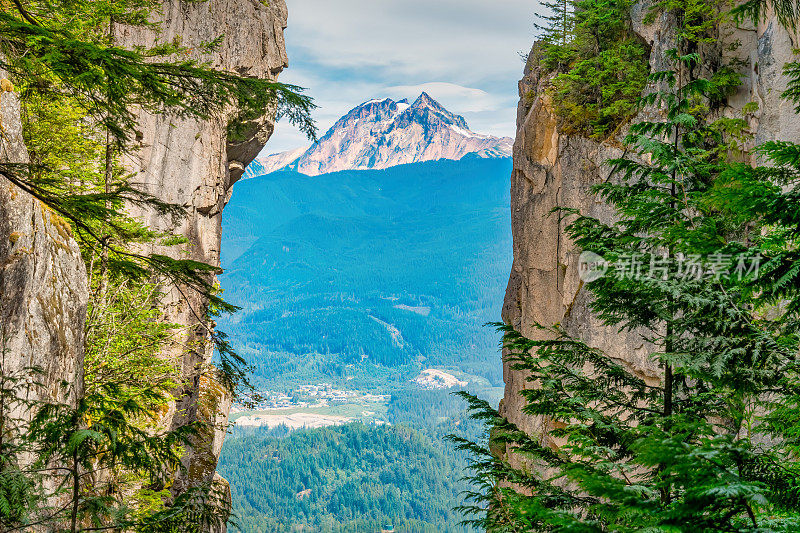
[(598, 94), (108, 461), (597, 65)]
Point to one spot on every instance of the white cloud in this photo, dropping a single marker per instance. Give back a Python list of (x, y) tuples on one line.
[(465, 53), (454, 97), (455, 40)]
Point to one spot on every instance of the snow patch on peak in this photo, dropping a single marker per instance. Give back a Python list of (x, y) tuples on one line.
[(376, 101), (465, 133)]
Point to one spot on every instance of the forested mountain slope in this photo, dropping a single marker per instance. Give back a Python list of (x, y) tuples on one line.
[(394, 268), (356, 477)]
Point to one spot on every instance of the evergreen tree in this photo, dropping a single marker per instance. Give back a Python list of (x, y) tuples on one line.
[(596, 65), (107, 462), (557, 24), (556, 29), (713, 446), (108, 457)]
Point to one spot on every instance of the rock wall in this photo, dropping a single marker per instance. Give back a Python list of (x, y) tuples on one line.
[(43, 286), (192, 163), (556, 170), (43, 283)]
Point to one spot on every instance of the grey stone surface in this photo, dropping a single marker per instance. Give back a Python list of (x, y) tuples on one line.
[(43, 283), (43, 286), (192, 163), (556, 170)]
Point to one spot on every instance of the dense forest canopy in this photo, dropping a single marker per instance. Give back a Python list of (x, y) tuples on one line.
[(346, 479), (355, 477)]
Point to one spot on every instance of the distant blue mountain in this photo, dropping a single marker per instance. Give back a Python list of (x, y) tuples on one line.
[(369, 275)]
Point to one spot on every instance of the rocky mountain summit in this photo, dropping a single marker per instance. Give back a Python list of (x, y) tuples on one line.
[(379, 134)]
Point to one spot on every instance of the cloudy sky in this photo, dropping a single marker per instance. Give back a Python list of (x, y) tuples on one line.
[(464, 53)]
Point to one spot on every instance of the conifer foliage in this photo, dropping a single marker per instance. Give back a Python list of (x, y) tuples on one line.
[(106, 461), (701, 261), (595, 64)]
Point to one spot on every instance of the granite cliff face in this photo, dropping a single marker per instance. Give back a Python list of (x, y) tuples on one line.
[(552, 169), (383, 133), (193, 163), (43, 284), (43, 287)]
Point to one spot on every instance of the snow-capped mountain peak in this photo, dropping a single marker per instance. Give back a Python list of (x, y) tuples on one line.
[(382, 133)]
